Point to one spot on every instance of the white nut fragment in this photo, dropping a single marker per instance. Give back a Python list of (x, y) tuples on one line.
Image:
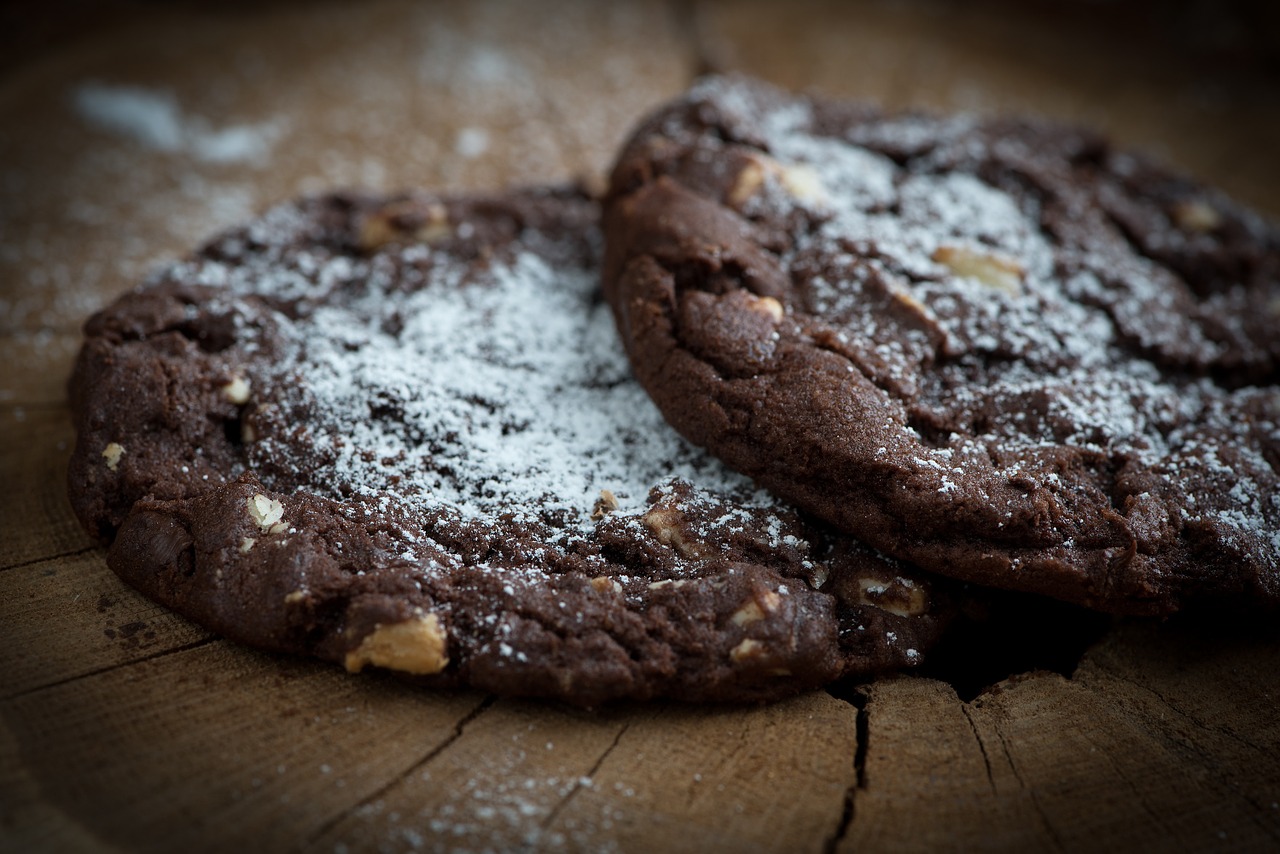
[(899, 597), (756, 609), (436, 226), (665, 524), (265, 511), (993, 270), (746, 650), (605, 584), (237, 391), (803, 183), (112, 454), (1196, 215), (418, 646), (247, 544), (769, 307), (668, 582), (912, 304), (605, 504), (295, 597), (818, 575), (394, 222), (799, 180), (749, 182)]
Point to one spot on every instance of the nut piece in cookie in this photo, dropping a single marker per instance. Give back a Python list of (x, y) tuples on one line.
[(112, 454), (265, 512), (417, 646), (990, 268)]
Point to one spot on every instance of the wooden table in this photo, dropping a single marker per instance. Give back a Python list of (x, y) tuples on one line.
[(123, 727)]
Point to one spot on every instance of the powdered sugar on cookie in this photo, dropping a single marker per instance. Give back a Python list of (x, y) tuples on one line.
[(999, 348)]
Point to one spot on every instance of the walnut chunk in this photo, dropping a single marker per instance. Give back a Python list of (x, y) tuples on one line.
[(237, 391), (605, 504), (665, 522), (247, 544), (747, 650), (818, 575), (803, 183), (993, 270), (756, 609), (912, 304), (605, 584), (748, 183), (436, 226), (1196, 215), (799, 180), (295, 597), (112, 454), (418, 646), (769, 307), (401, 221), (898, 596), (264, 511)]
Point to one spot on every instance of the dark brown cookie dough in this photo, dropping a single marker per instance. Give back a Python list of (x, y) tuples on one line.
[(996, 348), (401, 433)]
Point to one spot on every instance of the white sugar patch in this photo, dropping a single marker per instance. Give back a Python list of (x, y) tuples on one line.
[(1048, 355), (154, 118), (499, 392), (471, 142), (508, 397)]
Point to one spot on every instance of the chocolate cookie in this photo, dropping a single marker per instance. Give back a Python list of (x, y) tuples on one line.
[(400, 433), (996, 348)]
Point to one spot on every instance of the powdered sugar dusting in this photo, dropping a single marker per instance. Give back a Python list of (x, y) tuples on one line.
[(1042, 335), (499, 390), (533, 387), (155, 119)]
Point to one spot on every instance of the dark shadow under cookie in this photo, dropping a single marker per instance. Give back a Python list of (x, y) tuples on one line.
[(997, 349), (401, 433)]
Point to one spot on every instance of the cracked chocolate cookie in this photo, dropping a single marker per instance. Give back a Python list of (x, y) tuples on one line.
[(400, 433), (998, 349)]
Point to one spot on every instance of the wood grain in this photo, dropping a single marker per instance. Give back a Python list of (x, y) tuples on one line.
[(34, 447), (126, 728)]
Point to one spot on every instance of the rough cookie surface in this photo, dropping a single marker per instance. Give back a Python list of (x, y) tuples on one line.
[(998, 349), (400, 433)]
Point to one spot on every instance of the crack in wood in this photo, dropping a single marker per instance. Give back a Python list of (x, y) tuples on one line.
[(846, 821), (1185, 715), (430, 755), (59, 556), (860, 700), (578, 785), (1208, 760), (110, 667), (1049, 829), (982, 747), (1133, 788)]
